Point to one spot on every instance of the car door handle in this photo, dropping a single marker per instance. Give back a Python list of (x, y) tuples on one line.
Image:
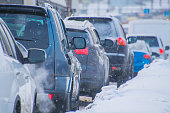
[(19, 74), (27, 77)]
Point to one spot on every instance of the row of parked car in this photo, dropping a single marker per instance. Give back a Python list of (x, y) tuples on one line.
[(80, 55), (149, 40)]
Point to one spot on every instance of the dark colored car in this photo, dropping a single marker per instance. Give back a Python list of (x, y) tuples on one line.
[(42, 27), (94, 62), (15, 79), (113, 39)]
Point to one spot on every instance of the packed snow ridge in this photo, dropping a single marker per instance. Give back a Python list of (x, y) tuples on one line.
[(148, 92)]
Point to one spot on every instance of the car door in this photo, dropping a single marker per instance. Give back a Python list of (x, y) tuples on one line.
[(98, 47), (7, 80), (21, 74), (74, 61)]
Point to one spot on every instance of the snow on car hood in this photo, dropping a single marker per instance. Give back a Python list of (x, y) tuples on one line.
[(148, 92)]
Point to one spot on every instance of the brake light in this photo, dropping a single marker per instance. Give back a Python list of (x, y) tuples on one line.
[(161, 51), (50, 96), (121, 41), (81, 51), (113, 68), (146, 56)]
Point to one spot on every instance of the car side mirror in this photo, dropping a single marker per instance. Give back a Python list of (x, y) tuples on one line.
[(131, 40), (78, 43), (36, 56), (166, 47)]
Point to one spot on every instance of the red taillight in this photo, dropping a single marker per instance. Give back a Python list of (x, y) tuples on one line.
[(161, 51), (113, 68), (146, 56), (121, 41), (81, 51), (50, 96)]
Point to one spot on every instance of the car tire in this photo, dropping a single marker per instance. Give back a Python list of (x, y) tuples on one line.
[(17, 106), (122, 77), (107, 78), (35, 104), (71, 102), (132, 71)]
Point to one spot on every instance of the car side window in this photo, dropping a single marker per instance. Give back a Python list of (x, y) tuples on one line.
[(161, 42), (3, 46), (97, 35), (60, 33), (7, 47), (122, 31), (91, 36), (64, 33), (10, 39)]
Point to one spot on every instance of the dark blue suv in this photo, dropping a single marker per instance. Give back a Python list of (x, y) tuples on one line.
[(42, 27), (95, 64), (113, 39)]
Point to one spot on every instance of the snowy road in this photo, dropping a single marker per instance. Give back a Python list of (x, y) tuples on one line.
[(149, 92)]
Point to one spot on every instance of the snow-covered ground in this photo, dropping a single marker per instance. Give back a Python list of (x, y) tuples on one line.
[(149, 92)]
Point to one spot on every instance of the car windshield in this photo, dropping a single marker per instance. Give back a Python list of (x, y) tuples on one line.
[(30, 30), (104, 26), (77, 33), (152, 41)]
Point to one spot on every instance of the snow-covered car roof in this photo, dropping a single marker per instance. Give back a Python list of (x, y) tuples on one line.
[(128, 35), (76, 24), (90, 16)]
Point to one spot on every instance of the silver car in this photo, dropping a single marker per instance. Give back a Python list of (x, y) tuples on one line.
[(17, 88)]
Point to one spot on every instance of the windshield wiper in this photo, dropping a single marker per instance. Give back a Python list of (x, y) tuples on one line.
[(24, 39)]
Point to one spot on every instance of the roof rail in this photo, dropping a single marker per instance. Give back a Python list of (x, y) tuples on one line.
[(48, 5)]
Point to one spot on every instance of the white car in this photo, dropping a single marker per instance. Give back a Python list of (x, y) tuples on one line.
[(155, 43), (158, 27), (17, 88)]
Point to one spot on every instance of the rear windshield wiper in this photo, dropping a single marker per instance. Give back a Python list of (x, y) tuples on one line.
[(24, 39)]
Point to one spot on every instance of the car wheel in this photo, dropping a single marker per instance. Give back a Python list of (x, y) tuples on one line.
[(74, 101), (93, 95), (131, 74), (72, 104), (17, 106), (34, 104), (122, 77), (106, 76)]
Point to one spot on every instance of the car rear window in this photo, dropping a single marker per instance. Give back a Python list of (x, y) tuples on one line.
[(29, 29), (104, 26), (152, 41), (77, 33)]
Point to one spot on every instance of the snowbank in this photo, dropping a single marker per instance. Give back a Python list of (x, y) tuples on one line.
[(149, 92)]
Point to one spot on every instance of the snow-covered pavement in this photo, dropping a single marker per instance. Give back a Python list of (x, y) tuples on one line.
[(149, 92)]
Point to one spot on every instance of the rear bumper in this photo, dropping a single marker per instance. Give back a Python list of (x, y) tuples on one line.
[(60, 92), (57, 96), (92, 79), (116, 60), (89, 85), (45, 104)]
